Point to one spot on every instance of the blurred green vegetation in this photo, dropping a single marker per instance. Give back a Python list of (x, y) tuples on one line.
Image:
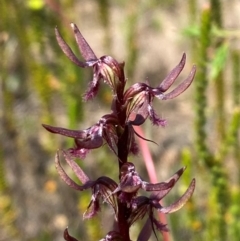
[(40, 85)]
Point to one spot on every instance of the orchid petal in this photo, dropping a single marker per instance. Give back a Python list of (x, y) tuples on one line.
[(181, 201), (84, 47), (160, 195), (93, 88), (162, 186), (168, 81), (182, 87), (158, 225), (138, 108), (110, 136), (154, 117), (93, 207), (140, 206), (65, 132), (77, 170), (68, 237), (94, 142), (79, 152), (146, 231), (67, 179), (68, 51)]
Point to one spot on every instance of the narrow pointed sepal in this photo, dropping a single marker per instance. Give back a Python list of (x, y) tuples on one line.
[(180, 88), (102, 189), (169, 80), (160, 195), (67, 236), (65, 132), (83, 46), (68, 51), (181, 201), (162, 186), (68, 180), (146, 231), (81, 175)]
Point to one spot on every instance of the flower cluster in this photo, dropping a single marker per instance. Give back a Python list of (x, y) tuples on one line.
[(129, 108)]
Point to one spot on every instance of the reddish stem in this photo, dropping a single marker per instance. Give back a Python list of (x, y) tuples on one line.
[(151, 173)]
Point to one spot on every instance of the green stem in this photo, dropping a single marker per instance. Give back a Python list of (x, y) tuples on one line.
[(201, 84), (219, 86)]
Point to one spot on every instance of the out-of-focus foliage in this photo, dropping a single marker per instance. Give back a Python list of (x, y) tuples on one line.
[(39, 85)]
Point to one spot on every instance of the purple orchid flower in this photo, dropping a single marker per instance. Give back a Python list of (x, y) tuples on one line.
[(140, 96), (105, 68), (101, 188), (142, 205), (129, 108)]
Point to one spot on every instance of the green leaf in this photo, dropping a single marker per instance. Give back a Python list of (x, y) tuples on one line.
[(219, 60), (191, 31)]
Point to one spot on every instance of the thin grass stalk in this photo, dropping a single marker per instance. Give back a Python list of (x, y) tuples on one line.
[(201, 84), (219, 85), (194, 222), (236, 97), (231, 135), (236, 77)]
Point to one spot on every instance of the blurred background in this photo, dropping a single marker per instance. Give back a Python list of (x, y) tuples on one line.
[(40, 85)]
